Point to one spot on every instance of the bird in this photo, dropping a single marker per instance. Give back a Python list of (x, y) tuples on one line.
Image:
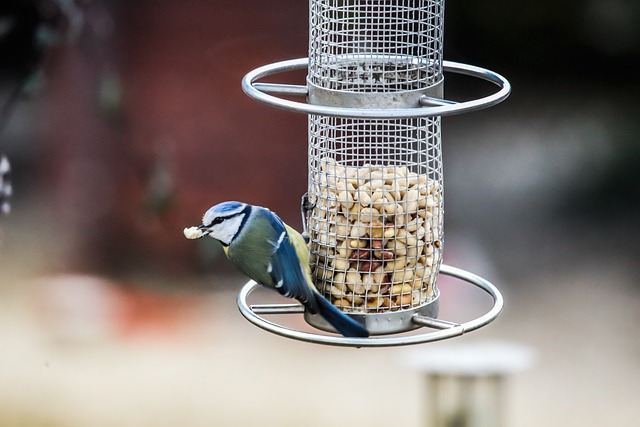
[(268, 251)]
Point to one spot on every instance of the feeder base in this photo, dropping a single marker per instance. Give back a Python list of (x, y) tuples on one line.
[(444, 329), (392, 322)]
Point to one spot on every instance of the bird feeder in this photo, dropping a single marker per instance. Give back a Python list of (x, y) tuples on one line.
[(374, 100)]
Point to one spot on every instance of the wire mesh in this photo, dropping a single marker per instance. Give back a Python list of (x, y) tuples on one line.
[(375, 45), (376, 228)]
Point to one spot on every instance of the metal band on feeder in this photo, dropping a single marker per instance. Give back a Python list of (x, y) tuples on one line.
[(374, 100)]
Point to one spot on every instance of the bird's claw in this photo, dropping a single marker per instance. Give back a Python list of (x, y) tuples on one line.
[(305, 207)]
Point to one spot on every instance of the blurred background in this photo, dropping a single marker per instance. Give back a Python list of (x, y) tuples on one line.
[(124, 121)]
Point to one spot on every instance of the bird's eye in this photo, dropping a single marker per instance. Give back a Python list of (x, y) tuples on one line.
[(217, 220)]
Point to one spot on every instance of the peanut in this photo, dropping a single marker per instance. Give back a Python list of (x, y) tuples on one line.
[(401, 288), (369, 215), (360, 254), (369, 266), (403, 300), (357, 243), (341, 303), (375, 302)]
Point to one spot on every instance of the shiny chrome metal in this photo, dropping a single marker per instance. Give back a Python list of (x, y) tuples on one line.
[(277, 308), (447, 108), (282, 89), (372, 100), (450, 330), (429, 101), (430, 322), (391, 322)]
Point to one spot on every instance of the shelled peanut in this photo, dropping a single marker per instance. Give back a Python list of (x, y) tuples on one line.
[(375, 236)]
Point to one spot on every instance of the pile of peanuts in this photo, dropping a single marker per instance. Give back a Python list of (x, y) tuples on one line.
[(375, 236)]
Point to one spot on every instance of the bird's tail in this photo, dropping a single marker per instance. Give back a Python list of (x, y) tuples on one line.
[(340, 321)]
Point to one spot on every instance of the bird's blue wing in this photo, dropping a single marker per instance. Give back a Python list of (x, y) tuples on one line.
[(285, 269)]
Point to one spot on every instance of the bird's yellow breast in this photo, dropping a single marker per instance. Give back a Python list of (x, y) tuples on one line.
[(301, 249)]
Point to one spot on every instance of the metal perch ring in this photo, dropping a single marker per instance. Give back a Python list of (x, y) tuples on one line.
[(429, 106), (445, 328)]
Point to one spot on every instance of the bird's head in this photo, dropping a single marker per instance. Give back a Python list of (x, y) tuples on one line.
[(222, 222)]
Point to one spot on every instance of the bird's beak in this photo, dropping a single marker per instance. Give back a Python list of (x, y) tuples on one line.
[(195, 232)]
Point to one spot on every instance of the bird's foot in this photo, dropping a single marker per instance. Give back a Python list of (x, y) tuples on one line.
[(305, 207)]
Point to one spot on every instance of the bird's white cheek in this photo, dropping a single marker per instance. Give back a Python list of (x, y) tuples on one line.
[(226, 231)]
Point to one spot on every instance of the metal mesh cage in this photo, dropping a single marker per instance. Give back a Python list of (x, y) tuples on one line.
[(375, 45), (376, 229), (377, 225)]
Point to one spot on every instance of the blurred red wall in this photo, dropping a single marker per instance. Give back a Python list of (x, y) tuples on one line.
[(147, 125)]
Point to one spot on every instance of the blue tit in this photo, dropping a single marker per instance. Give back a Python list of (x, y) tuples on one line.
[(273, 254)]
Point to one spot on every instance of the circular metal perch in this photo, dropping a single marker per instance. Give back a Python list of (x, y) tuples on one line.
[(445, 329), (428, 106)]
